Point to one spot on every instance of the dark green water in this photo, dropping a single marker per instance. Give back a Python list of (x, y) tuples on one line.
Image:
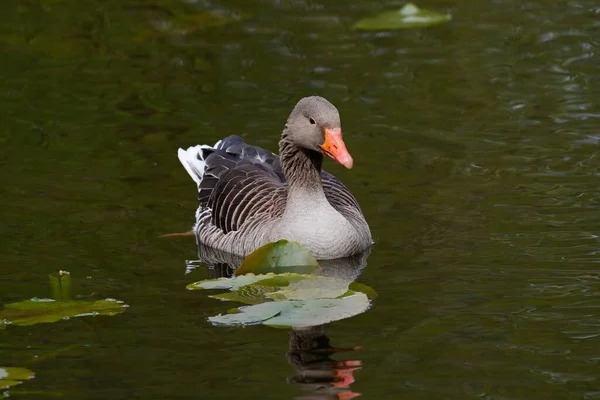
[(475, 147)]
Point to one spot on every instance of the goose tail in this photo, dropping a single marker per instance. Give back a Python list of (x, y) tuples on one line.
[(193, 160)]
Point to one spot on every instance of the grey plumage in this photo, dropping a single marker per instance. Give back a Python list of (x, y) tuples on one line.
[(249, 196)]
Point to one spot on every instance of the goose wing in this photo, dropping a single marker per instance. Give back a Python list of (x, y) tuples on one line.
[(338, 195), (236, 181)]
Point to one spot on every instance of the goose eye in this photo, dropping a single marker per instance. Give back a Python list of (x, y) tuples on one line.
[(312, 121)]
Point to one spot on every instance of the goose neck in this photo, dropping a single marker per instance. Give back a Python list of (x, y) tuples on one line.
[(301, 167)]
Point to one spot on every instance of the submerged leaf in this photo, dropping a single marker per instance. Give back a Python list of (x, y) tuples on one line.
[(409, 16), (37, 311), (11, 376), (278, 257)]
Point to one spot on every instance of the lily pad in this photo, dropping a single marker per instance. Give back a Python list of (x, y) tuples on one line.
[(276, 283), (253, 289), (296, 313), (313, 287), (361, 287), (37, 311), (245, 295), (11, 376), (278, 257), (240, 281), (287, 300), (308, 313), (249, 315), (409, 16)]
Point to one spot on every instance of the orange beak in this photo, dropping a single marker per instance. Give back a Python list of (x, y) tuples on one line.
[(335, 148)]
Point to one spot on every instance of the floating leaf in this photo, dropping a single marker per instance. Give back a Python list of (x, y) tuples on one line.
[(320, 311), (361, 287), (37, 311), (11, 376), (230, 283), (271, 280), (250, 289), (287, 300), (251, 294), (312, 287), (253, 289), (296, 313), (409, 16), (278, 257), (248, 315)]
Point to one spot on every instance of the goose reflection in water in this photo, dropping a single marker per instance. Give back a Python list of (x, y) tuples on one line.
[(310, 353), (309, 349)]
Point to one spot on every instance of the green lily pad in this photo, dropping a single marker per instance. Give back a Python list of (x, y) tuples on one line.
[(409, 16), (308, 313), (253, 289), (270, 280), (251, 294), (249, 315), (312, 287), (361, 287), (11, 376), (288, 299), (296, 313), (278, 257), (280, 290), (226, 283), (37, 311)]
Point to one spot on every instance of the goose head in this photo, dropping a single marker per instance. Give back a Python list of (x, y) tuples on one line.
[(314, 124)]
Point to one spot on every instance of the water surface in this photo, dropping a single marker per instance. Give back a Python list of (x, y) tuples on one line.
[(475, 149)]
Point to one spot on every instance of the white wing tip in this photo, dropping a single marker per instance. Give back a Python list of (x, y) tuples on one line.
[(191, 159)]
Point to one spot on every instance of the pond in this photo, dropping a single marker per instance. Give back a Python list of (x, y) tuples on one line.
[(475, 162)]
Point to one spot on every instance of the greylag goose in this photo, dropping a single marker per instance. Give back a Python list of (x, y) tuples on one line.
[(249, 196)]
